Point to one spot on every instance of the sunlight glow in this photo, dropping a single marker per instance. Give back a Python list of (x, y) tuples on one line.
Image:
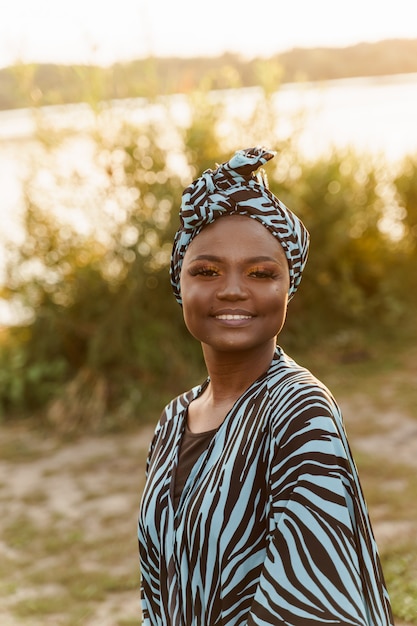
[(93, 31)]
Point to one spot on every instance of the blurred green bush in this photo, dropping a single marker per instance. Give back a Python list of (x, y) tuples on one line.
[(102, 342)]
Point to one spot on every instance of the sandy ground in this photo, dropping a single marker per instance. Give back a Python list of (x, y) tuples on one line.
[(87, 489), (93, 486)]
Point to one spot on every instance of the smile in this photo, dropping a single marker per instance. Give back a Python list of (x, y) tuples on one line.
[(228, 316)]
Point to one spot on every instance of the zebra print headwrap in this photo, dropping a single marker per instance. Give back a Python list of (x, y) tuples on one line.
[(234, 188)]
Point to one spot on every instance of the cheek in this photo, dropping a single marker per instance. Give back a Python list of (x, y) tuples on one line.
[(278, 295), (187, 289), (191, 302)]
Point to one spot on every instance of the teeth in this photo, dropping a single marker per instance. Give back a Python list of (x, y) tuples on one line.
[(233, 317)]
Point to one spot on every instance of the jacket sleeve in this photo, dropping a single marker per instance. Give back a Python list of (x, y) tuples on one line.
[(145, 568), (145, 621), (322, 565)]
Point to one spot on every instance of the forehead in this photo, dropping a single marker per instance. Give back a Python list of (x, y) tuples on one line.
[(236, 231)]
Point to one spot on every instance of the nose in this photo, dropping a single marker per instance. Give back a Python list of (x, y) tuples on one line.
[(232, 288)]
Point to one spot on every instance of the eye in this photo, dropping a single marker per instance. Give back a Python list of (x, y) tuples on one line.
[(261, 273), (204, 270)]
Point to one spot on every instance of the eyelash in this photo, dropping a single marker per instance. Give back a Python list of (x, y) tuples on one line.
[(213, 271), (204, 271), (259, 272)]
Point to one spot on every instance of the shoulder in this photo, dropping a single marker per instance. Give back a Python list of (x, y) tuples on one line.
[(286, 377), (296, 394), (304, 418)]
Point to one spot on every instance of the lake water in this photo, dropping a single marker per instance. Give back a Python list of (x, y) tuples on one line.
[(375, 116)]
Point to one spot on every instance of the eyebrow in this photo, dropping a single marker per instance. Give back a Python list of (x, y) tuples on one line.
[(217, 259)]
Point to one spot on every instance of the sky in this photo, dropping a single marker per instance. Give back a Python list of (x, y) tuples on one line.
[(103, 32)]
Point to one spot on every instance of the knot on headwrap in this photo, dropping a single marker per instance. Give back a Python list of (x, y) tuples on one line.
[(234, 188)]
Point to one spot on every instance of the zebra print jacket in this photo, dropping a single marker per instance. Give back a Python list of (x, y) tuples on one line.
[(272, 527)]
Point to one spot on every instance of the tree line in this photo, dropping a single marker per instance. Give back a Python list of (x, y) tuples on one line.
[(48, 84)]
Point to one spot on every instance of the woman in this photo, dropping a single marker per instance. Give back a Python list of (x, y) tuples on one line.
[(252, 511)]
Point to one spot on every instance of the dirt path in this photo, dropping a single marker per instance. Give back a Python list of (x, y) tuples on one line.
[(67, 529), (388, 435), (68, 553)]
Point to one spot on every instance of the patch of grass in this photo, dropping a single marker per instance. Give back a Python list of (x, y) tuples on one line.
[(7, 587), (50, 471), (58, 541), (406, 394), (38, 496), (400, 570), (60, 606), (390, 489), (385, 374), (24, 442), (20, 533), (89, 496), (388, 486), (124, 551), (95, 585), (40, 605), (78, 615), (82, 584), (93, 463), (19, 451)]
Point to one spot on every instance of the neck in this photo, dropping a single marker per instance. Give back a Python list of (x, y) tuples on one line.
[(232, 373)]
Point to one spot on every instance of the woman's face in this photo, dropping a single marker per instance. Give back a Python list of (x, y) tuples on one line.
[(234, 285)]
